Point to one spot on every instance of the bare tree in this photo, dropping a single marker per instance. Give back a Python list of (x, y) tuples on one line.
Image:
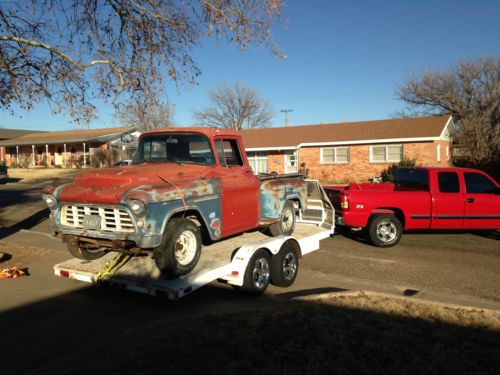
[(235, 107), (146, 115), (470, 92), (69, 52)]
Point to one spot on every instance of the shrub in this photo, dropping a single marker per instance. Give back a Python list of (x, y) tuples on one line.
[(388, 173)]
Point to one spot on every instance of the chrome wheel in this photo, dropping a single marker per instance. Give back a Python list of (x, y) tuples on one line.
[(289, 266), (185, 247), (386, 231), (261, 273)]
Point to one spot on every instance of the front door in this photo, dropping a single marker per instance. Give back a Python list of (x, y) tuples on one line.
[(291, 162), (482, 204), (240, 189)]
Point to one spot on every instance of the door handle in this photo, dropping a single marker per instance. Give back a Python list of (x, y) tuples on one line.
[(470, 200)]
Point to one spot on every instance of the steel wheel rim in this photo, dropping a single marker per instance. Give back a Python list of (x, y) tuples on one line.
[(185, 247), (289, 266), (287, 219), (386, 231), (261, 273)]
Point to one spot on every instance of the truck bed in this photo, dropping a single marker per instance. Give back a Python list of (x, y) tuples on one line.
[(140, 273)]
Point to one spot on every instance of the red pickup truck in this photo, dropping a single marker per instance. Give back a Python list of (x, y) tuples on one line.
[(419, 198)]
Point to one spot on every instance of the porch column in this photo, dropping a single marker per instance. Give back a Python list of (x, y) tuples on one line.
[(33, 154), (64, 156), (84, 155), (17, 156), (47, 156)]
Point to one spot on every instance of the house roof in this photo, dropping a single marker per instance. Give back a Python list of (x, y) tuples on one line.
[(13, 133), (378, 131), (69, 136)]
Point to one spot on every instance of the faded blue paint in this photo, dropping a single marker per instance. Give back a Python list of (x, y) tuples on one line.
[(275, 192)]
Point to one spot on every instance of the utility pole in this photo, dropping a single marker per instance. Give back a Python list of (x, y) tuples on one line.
[(286, 115)]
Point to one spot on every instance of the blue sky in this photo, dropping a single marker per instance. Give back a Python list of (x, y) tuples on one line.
[(344, 60)]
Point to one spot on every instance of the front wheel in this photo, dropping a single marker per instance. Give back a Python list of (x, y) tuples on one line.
[(180, 249), (86, 254), (286, 223), (385, 230)]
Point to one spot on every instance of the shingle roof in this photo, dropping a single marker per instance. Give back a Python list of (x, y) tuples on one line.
[(65, 136), (13, 133), (292, 136)]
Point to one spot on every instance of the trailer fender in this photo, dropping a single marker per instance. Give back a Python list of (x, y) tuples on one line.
[(242, 256)]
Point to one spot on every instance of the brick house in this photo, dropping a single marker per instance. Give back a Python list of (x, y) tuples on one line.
[(6, 134), (350, 152), (63, 148)]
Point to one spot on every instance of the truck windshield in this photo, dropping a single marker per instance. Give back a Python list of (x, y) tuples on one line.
[(180, 148)]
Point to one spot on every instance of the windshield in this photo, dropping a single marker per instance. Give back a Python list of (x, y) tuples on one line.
[(180, 148)]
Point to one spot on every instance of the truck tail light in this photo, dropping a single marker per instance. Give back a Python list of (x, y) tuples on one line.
[(64, 273), (344, 202)]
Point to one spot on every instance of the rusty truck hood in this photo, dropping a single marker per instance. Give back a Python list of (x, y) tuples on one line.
[(108, 185)]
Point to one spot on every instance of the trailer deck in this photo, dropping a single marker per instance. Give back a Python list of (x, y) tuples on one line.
[(220, 260)]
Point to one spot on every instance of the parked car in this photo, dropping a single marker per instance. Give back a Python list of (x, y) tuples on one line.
[(121, 163), (182, 184), (4, 177), (419, 198)]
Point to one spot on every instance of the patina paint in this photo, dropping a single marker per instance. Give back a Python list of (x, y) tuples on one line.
[(275, 192)]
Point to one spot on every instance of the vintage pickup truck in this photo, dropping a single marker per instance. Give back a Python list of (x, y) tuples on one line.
[(184, 186), (419, 198)]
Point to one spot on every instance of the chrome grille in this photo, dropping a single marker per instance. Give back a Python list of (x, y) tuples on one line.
[(112, 219)]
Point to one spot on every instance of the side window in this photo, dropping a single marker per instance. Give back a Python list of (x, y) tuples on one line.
[(448, 182), (477, 183), (228, 153)]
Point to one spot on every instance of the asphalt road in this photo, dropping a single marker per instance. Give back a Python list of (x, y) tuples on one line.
[(50, 317)]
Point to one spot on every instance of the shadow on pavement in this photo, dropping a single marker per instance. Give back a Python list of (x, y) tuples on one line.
[(27, 223), (216, 330)]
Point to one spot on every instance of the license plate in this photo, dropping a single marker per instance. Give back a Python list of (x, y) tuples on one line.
[(91, 222)]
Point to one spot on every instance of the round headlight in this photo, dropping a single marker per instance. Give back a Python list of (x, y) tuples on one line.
[(137, 207), (50, 201)]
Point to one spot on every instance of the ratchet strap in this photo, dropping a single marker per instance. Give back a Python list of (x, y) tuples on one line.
[(111, 267)]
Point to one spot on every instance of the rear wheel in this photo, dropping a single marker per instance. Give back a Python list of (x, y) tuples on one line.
[(81, 253), (257, 275), (385, 230), (180, 249), (286, 223), (285, 264)]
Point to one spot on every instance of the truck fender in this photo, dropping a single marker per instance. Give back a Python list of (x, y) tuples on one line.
[(391, 211), (382, 211), (212, 233)]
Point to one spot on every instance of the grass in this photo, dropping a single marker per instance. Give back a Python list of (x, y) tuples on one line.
[(335, 334)]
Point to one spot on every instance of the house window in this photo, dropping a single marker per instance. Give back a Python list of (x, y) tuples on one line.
[(386, 153), (333, 155), (258, 161)]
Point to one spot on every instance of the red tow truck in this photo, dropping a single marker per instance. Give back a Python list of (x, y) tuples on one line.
[(419, 198)]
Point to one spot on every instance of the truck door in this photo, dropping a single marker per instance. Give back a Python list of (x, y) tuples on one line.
[(448, 201), (482, 203), (240, 189)]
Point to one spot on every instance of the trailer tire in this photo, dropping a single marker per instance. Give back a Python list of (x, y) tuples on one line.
[(285, 264), (180, 248), (80, 253), (257, 274), (384, 230), (286, 223)]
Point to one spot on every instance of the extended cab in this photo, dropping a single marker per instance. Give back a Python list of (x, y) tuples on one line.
[(183, 185), (419, 198)]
